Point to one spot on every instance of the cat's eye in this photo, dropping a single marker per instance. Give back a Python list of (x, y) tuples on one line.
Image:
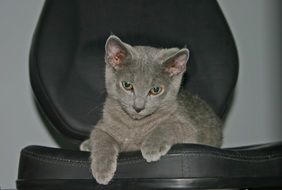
[(156, 90), (127, 85)]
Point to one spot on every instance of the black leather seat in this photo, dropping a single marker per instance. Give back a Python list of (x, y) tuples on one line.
[(67, 76), (191, 165)]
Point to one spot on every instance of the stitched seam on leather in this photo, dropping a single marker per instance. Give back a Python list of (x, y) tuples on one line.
[(203, 150), (217, 155), (208, 151), (254, 159), (78, 163), (58, 162), (136, 159), (226, 155), (197, 154), (55, 160)]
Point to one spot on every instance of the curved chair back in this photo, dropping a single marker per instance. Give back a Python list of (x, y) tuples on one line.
[(67, 54)]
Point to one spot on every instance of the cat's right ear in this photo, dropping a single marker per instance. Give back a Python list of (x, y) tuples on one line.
[(116, 52), (176, 64)]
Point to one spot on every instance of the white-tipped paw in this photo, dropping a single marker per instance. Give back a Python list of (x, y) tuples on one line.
[(103, 170), (85, 146), (152, 151)]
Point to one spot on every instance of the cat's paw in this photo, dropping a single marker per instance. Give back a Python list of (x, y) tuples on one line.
[(103, 170), (152, 150), (85, 146)]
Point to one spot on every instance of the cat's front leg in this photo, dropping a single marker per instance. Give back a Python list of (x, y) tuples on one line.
[(158, 142), (104, 153)]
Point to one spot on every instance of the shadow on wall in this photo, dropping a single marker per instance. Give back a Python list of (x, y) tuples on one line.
[(279, 50)]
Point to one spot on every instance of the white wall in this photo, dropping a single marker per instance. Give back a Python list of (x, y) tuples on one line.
[(254, 118), (19, 121), (256, 114)]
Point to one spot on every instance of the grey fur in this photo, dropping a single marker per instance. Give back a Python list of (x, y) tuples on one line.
[(166, 119)]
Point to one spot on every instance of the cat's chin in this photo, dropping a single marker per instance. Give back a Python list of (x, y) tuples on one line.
[(137, 117)]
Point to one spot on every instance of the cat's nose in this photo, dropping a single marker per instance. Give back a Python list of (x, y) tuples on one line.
[(137, 109)]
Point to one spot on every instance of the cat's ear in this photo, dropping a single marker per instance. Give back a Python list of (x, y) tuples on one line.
[(116, 51), (176, 64)]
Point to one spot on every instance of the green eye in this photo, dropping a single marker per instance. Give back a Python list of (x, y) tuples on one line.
[(127, 85), (156, 90)]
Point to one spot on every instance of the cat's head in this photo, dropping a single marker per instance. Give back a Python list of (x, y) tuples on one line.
[(143, 79)]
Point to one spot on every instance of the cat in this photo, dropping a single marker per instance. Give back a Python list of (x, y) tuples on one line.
[(144, 109)]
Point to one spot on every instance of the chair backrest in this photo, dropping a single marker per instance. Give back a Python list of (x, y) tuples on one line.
[(67, 54)]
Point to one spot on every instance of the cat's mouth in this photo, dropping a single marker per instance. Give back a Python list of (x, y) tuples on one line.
[(136, 116)]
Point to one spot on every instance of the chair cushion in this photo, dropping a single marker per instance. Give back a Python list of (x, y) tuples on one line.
[(200, 163)]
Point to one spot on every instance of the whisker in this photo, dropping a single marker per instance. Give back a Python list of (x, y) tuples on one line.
[(93, 109), (102, 92)]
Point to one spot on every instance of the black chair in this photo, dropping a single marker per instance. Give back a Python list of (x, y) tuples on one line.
[(67, 76)]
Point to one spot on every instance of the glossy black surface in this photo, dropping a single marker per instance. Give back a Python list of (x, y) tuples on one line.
[(189, 165)]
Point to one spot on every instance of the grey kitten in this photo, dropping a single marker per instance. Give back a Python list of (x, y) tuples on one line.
[(143, 110)]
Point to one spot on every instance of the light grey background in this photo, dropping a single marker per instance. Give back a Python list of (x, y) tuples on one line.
[(254, 118)]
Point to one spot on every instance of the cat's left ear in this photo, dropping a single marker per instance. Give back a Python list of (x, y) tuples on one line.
[(116, 51), (176, 64)]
